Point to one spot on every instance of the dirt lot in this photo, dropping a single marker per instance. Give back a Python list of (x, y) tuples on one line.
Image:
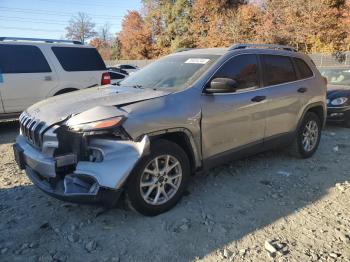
[(297, 209)]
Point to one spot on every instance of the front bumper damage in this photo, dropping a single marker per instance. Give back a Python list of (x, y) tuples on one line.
[(81, 181)]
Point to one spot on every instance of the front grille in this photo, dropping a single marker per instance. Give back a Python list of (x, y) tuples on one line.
[(32, 129)]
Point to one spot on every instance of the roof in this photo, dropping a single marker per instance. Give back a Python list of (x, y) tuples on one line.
[(203, 51)]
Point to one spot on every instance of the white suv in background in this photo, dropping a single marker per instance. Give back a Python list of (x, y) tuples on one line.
[(34, 69)]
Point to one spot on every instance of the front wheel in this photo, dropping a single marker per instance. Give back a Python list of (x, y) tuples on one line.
[(158, 181), (308, 136)]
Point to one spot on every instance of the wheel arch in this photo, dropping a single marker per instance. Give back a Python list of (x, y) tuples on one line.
[(184, 138), (317, 108)]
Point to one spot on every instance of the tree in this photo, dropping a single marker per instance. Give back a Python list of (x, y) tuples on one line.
[(169, 22), (80, 28), (135, 37), (105, 33), (210, 21), (309, 25)]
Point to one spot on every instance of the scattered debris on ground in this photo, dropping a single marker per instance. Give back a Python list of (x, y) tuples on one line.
[(269, 207)]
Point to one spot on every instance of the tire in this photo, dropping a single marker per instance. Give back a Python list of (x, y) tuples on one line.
[(298, 149), (144, 199)]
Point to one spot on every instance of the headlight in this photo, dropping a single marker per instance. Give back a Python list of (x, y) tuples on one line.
[(339, 101), (97, 125)]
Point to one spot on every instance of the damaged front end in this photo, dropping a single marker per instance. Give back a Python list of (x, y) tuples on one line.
[(82, 159)]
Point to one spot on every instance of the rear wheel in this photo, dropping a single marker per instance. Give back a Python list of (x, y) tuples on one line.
[(158, 181), (307, 137)]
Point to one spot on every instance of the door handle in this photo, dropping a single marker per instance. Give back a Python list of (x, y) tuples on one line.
[(258, 98), (302, 89), (47, 78)]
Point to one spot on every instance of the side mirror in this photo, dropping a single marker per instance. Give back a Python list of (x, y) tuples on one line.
[(222, 85)]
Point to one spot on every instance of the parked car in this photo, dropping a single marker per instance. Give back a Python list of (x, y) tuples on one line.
[(116, 77), (128, 68), (117, 69), (338, 94), (180, 115), (34, 69)]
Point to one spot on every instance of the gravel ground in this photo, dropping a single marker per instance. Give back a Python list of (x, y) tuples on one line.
[(269, 207)]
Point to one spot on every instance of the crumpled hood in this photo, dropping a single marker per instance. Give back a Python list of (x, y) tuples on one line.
[(58, 108)]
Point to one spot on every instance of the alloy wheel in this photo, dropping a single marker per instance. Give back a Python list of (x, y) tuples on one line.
[(160, 179), (310, 135)]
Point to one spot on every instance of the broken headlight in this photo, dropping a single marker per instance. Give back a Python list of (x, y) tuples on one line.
[(109, 127), (97, 125)]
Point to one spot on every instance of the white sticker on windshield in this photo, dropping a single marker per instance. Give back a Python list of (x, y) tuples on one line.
[(197, 61)]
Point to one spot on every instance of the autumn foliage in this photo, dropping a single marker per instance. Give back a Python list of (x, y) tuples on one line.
[(163, 26)]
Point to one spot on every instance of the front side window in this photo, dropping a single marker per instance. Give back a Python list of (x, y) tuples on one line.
[(171, 72), (243, 69), (303, 68), (278, 70), (79, 59), (22, 59)]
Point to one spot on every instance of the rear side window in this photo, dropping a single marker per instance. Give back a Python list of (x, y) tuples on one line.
[(243, 69), (22, 59), (79, 59), (303, 68), (278, 70)]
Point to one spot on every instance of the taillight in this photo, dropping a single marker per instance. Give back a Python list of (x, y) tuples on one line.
[(106, 79)]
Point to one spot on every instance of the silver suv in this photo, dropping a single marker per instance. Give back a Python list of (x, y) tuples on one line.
[(178, 116)]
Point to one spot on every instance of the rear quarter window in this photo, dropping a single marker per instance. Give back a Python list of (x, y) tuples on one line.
[(79, 59), (22, 59), (303, 68), (278, 70)]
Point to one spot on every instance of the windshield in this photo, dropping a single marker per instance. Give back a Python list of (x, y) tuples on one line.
[(336, 76), (176, 71)]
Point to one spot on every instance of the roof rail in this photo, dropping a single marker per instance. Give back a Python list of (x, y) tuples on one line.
[(40, 40), (267, 46), (183, 49)]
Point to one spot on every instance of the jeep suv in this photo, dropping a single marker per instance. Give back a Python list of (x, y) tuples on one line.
[(33, 69), (178, 116)]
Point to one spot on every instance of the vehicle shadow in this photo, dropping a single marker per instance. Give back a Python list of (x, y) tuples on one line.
[(221, 207), (8, 131)]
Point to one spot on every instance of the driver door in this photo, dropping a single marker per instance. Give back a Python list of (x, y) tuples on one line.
[(232, 121)]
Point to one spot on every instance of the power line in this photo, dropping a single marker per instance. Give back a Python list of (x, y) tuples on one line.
[(107, 5), (31, 29), (46, 21), (50, 12)]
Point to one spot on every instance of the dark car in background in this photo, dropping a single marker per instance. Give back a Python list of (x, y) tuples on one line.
[(117, 75), (338, 93)]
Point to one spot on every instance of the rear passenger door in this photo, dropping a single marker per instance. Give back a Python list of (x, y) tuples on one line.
[(27, 76), (283, 99)]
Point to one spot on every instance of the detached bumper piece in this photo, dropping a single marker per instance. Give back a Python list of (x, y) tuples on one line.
[(73, 189)]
